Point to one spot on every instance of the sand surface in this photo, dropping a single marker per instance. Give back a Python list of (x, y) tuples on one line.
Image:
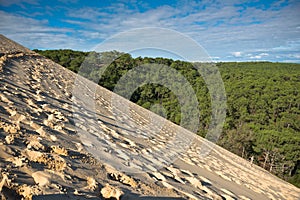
[(64, 137)]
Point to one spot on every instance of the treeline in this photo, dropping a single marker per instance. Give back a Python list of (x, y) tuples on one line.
[(65, 57), (263, 102)]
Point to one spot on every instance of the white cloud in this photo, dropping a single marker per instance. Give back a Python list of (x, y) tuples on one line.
[(18, 2), (291, 61), (264, 54), (296, 55), (256, 57), (259, 56), (11, 23), (37, 33), (237, 54)]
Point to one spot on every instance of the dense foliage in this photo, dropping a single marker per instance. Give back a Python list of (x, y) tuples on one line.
[(65, 57), (263, 102)]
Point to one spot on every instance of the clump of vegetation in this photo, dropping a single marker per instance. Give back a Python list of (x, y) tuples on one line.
[(263, 102), (65, 57)]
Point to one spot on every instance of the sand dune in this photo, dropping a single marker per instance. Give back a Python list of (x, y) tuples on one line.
[(55, 144)]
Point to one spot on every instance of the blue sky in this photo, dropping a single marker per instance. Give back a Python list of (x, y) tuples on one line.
[(229, 30)]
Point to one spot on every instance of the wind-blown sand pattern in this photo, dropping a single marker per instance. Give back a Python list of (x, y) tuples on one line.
[(43, 155)]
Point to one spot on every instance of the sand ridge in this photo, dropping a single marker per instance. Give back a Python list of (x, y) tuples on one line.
[(43, 156)]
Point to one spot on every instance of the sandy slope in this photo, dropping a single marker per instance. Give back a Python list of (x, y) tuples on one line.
[(55, 145)]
